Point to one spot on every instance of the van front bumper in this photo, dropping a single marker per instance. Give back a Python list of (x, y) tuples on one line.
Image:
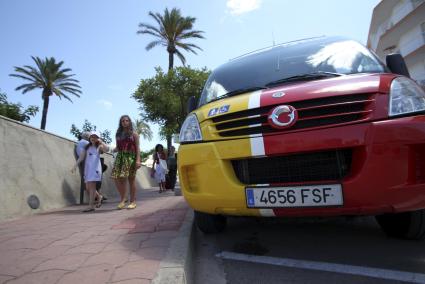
[(387, 171)]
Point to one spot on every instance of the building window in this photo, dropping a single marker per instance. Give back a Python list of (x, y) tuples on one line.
[(423, 30)]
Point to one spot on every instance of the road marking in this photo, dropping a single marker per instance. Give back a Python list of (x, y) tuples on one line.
[(328, 267)]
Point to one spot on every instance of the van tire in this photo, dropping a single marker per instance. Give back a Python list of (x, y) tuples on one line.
[(406, 225), (209, 223)]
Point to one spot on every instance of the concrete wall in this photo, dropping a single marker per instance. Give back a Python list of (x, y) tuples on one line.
[(35, 162)]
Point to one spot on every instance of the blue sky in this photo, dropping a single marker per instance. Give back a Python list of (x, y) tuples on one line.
[(97, 39)]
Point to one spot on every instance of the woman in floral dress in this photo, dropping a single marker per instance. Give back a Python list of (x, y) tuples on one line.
[(127, 161)]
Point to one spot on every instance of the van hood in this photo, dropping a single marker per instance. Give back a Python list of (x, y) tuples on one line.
[(299, 91)]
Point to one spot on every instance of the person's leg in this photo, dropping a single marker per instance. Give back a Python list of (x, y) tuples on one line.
[(132, 184), (120, 184), (91, 188), (97, 197), (82, 182), (173, 175)]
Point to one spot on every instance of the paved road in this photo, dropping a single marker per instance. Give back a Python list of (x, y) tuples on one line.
[(307, 250)]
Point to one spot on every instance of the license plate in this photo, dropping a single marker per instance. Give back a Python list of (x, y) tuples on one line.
[(294, 196)]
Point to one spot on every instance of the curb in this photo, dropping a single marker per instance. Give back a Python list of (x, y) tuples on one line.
[(176, 267)]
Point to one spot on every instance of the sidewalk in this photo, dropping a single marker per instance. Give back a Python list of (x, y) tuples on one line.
[(143, 245)]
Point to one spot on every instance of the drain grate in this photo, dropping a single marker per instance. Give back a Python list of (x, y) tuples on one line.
[(33, 201)]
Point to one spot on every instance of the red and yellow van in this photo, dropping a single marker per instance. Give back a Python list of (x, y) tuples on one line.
[(317, 127)]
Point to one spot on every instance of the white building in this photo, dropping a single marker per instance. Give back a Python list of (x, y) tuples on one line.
[(398, 26)]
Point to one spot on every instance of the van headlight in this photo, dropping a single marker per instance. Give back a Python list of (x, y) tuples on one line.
[(405, 97), (190, 131)]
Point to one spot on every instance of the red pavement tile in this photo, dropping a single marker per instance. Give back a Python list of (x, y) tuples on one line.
[(162, 234), (148, 228), (109, 246), (64, 262), (124, 225), (71, 241), (167, 226), (27, 242), (106, 239), (132, 242), (10, 269), (152, 253), (133, 281), (4, 278), (21, 266), (86, 248), (45, 277), (98, 274), (10, 256), (156, 242), (145, 269), (47, 252), (115, 257)]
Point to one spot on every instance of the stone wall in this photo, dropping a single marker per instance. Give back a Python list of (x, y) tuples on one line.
[(35, 164)]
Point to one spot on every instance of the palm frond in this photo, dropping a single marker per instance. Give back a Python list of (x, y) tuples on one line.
[(33, 75), (181, 57), (188, 47), (191, 34), (22, 77), (67, 85), (146, 27), (152, 44), (157, 17), (28, 88), (29, 85), (72, 91)]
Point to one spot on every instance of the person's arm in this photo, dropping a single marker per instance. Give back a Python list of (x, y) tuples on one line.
[(138, 163), (153, 164), (80, 159), (102, 148)]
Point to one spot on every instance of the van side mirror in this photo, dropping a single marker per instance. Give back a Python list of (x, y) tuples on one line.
[(397, 65), (191, 104)]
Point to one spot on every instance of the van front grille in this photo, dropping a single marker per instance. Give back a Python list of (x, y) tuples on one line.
[(296, 168), (311, 113)]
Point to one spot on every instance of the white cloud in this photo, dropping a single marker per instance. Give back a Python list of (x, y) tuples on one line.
[(238, 7), (106, 104)]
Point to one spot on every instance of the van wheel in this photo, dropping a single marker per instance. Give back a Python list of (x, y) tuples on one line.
[(406, 225), (209, 223)]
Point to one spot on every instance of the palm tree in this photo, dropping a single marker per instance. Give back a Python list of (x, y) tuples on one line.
[(171, 31), (48, 76), (143, 129)]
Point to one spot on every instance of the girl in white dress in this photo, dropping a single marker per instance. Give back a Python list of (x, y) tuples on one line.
[(160, 170), (92, 168)]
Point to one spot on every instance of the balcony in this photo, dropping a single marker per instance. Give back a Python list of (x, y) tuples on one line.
[(413, 45)]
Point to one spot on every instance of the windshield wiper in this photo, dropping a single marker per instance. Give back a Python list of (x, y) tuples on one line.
[(304, 77), (237, 92)]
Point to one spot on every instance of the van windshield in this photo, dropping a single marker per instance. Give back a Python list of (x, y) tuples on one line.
[(302, 60)]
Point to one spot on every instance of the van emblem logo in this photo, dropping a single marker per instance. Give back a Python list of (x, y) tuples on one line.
[(218, 110), (283, 116), (278, 95)]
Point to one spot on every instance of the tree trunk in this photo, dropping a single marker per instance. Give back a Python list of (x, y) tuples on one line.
[(45, 108), (169, 144), (183, 111), (170, 67), (170, 60)]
